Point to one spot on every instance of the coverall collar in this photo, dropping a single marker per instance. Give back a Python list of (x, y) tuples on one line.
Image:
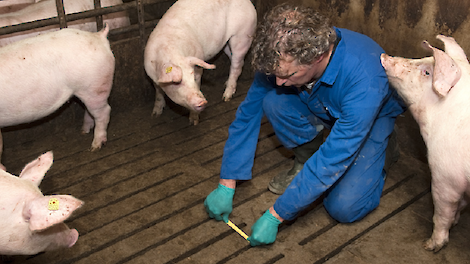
[(336, 60)]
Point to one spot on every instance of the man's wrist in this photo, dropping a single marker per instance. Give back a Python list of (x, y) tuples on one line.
[(273, 212), (228, 183)]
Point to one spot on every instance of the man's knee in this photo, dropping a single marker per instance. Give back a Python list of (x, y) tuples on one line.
[(344, 211), (274, 106)]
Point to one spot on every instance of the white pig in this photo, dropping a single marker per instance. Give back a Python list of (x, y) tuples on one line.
[(29, 221), (190, 32), (39, 74), (437, 90), (47, 8)]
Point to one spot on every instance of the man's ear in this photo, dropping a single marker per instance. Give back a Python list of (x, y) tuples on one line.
[(319, 58), (324, 56)]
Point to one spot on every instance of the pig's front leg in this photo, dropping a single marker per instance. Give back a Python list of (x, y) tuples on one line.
[(193, 118), (446, 198), (159, 101)]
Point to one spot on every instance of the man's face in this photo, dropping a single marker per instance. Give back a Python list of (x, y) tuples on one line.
[(290, 73)]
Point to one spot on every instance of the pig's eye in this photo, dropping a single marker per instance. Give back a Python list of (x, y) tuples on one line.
[(426, 73)]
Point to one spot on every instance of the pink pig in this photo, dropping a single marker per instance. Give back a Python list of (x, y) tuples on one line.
[(29, 221), (39, 74), (437, 90), (190, 32)]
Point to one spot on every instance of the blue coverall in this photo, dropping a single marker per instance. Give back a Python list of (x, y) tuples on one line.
[(353, 99)]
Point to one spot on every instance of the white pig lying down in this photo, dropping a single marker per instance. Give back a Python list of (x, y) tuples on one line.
[(39, 74), (47, 8), (437, 90), (190, 32), (29, 221)]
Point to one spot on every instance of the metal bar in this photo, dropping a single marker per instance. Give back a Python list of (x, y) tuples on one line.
[(87, 14), (61, 13), (70, 17), (146, 2), (141, 18), (101, 11), (99, 19)]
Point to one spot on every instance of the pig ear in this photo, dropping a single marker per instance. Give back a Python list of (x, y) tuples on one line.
[(452, 48), (170, 73), (35, 170), (198, 62), (446, 72), (49, 210)]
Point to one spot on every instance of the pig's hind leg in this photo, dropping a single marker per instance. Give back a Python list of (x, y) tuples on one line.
[(97, 114), (448, 202), (462, 204), (236, 50)]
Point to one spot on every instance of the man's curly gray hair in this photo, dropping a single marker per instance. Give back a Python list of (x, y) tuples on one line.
[(297, 31)]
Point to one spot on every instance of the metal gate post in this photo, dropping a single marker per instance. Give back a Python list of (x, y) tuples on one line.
[(99, 19), (61, 13)]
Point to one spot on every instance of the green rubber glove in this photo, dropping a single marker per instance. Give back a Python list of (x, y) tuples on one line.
[(219, 203), (264, 231)]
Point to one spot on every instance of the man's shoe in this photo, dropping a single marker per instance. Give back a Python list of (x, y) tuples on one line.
[(279, 183), (302, 153)]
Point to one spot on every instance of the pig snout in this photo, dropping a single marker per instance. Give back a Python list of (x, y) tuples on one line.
[(386, 61), (200, 105), (60, 236), (397, 67), (72, 238)]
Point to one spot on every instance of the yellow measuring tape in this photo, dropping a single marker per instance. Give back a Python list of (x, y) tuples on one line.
[(238, 230)]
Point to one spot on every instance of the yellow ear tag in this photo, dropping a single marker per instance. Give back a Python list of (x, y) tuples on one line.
[(53, 204), (168, 69)]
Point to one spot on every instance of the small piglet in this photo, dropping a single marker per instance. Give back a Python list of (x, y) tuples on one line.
[(437, 90), (39, 74), (29, 221), (190, 32)]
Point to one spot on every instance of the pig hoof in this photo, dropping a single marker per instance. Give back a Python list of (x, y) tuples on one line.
[(157, 111), (227, 97), (155, 114), (87, 128), (228, 93), (432, 246), (85, 132), (94, 149), (193, 122)]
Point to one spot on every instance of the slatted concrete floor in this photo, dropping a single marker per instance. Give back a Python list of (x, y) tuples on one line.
[(144, 194)]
